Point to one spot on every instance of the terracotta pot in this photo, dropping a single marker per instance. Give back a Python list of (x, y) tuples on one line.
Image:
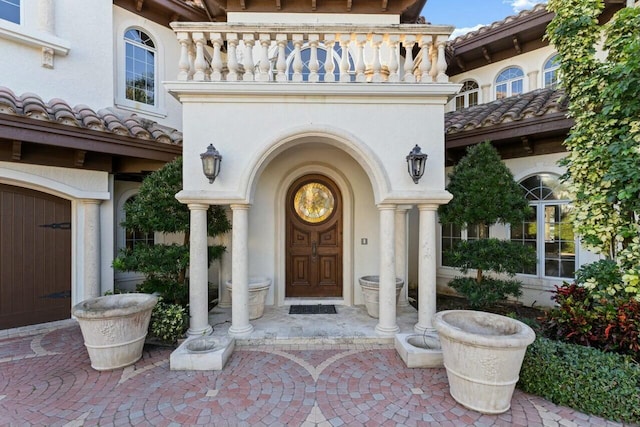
[(114, 328), (483, 354)]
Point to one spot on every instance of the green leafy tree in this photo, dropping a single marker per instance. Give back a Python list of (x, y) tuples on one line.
[(485, 193), (155, 209), (603, 165)]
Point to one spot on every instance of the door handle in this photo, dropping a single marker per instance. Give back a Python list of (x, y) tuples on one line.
[(314, 249)]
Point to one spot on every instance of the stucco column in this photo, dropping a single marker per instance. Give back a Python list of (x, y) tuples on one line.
[(240, 325), (533, 80), (224, 297), (387, 325), (198, 272), (426, 268), (401, 252), (91, 248), (486, 94), (46, 19)]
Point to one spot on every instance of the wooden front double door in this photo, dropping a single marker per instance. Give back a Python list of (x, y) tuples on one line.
[(314, 238)]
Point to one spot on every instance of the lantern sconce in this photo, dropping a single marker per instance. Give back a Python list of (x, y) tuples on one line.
[(211, 160), (416, 162)]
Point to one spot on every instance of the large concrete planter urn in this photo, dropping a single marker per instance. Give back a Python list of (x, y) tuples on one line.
[(258, 291), (370, 286), (114, 328), (483, 354)]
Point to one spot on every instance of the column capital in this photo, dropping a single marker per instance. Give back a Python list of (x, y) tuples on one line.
[(91, 201), (198, 206), (240, 206), (403, 208), (387, 207), (428, 207)]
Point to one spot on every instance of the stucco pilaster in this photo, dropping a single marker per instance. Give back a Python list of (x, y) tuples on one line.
[(198, 272), (91, 243)]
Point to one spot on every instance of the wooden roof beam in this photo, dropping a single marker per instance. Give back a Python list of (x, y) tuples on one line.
[(139, 4), (385, 5), (486, 54), (314, 5), (349, 5), (16, 151), (278, 4), (516, 45), (243, 5)]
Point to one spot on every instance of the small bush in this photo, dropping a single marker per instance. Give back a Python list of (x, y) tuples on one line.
[(168, 322), (586, 379), (486, 292)]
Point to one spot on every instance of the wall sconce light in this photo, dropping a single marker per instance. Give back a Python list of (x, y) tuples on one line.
[(416, 162), (211, 160)]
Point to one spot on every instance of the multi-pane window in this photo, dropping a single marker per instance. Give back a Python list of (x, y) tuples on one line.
[(468, 96), (134, 237), (509, 82), (10, 10), (305, 56), (548, 229), (140, 64), (552, 72), (452, 234)]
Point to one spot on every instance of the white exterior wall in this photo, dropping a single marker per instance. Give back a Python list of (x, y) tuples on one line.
[(84, 76), (486, 76)]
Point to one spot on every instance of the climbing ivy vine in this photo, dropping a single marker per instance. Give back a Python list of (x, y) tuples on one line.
[(603, 165)]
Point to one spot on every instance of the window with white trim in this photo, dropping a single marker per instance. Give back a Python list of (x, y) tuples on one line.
[(468, 96), (140, 66), (452, 234), (133, 238), (551, 72), (10, 10), (510, 82), (305, 56), (548, 229)]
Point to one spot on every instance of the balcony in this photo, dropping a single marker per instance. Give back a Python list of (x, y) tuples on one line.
[(348, 54)]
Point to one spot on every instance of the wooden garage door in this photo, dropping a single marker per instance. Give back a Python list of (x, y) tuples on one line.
[(35, 257)]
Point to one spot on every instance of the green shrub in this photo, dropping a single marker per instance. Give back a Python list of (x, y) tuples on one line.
[(487, 292), (168, 322), (586, 379)]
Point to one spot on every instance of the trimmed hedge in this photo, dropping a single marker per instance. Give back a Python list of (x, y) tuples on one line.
[(583, 378)]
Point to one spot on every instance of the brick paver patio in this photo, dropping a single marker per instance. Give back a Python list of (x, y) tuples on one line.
[(46, 379)]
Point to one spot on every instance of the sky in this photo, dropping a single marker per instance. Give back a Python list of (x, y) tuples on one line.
[(469, 15)]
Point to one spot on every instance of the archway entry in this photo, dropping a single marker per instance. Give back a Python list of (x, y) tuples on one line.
[(313, 238), (35, 257)]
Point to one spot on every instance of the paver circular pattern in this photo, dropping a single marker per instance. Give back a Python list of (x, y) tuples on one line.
[(46, 379)]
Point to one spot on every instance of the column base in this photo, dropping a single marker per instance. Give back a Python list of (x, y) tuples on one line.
[(240, 332), (424, 328), (387, 331), (200, 332)]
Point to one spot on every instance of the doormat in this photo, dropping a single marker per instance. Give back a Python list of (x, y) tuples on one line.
[(312, 309)]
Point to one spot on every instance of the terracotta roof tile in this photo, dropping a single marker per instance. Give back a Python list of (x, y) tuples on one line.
[(527, 105), (539, 8), (106, 120)]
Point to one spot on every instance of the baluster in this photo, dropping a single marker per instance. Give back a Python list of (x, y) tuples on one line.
[(232, 57), (441, 77), (361, 39), (425, 65), (216, 59), (249, 66), (314, 65), (408, 42), (345, 40), (200, 64), (329, 66), (297, 57), (376, 41), (192, 57), (281, 63), (393, 58), (183, 63), (264, 66)]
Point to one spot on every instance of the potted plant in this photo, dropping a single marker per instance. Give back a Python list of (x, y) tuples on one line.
[(114, 328), (483, 354)]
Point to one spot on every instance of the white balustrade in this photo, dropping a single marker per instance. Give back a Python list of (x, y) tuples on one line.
[(280, 53)]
